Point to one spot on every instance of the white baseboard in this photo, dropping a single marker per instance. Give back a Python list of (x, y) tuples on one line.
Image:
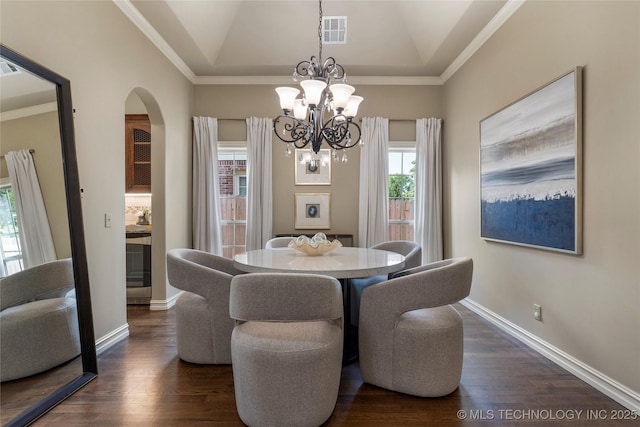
[(622, 394), (166, 304), (122, 332), (112, 338)]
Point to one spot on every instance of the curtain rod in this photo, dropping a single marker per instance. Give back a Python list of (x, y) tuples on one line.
[(31, 150)]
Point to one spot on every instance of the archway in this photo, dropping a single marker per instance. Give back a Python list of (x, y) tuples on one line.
[(142, 102)]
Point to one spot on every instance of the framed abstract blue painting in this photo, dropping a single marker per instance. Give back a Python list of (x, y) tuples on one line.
[(531, 168)]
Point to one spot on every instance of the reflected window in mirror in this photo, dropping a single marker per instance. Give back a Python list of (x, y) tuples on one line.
[(10, 250)]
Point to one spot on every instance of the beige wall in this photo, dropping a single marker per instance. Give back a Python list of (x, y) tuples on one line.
[(41, 133), (590, 302), (105, 57), (401, 104)]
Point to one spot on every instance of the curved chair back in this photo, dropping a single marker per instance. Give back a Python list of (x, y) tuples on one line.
[(431, 285), (412, 251), (278, 242), (49, 280), (194, 271), (285, 297)]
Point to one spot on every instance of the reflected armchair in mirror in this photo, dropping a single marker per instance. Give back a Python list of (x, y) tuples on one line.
[(38, 320)]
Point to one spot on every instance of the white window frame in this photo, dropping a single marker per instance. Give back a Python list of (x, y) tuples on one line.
[(233, 146), (4, 271)]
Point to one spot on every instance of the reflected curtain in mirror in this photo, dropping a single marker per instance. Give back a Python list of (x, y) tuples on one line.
[(35, 240)]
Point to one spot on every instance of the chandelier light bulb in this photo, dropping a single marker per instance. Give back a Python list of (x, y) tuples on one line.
[(341, 95), (299, 109), (287, 97), (352, 106), (313, 90)]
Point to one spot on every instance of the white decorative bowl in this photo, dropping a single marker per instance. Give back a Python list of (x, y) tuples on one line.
[(316, 246)]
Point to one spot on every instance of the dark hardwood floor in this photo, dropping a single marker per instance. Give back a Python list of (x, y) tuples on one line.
[(142, 382)]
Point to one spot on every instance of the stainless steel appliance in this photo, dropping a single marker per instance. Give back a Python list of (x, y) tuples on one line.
[(138, 267)]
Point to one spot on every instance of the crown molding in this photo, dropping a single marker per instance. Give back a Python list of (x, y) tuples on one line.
[(28, 111), (501, 17), (286, 80)]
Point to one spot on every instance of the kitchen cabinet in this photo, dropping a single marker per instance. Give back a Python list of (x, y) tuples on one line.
[(138, 153)]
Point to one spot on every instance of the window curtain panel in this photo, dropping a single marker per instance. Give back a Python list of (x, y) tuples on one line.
[(373, 223), (428, 203), (259, 182), (33, 224), (207, 223)]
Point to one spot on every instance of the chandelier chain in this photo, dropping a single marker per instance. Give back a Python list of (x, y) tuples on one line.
[(320, 32)]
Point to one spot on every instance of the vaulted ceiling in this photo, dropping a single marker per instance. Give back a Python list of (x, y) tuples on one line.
[(218, 40)]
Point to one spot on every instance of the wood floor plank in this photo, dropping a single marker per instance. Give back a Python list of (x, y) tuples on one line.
[(142, 382)]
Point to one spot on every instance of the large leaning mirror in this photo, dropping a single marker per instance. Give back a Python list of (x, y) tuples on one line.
[(48, 345)]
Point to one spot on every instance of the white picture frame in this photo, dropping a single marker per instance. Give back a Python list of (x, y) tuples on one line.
[(308, 173), (312, 211)]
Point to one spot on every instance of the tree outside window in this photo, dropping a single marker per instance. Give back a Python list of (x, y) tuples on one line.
[(401, 194)]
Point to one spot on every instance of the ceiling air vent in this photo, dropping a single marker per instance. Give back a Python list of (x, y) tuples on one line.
[(334, 30), (7, 69)]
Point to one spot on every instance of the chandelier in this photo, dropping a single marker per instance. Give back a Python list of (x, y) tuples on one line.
[(303, 120)]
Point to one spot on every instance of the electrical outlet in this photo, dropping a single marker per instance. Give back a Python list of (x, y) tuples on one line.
[(108, 217), (537, 312)]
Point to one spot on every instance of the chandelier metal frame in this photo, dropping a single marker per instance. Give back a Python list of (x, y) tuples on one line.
[(340, 131)]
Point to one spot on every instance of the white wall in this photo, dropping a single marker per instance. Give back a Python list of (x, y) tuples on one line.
[(591, 302), (105, 57)]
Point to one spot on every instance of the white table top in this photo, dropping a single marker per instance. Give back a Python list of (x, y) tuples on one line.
[(342, 263)]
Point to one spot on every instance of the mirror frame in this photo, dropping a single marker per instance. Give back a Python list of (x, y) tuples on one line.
[(76, 231)]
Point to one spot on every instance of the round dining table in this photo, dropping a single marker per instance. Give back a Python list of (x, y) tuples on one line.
[(343, 263)]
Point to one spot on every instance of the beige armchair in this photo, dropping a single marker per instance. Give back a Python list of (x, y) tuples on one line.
[(38, 319), (203, 325), (410, 337), (286, 348)]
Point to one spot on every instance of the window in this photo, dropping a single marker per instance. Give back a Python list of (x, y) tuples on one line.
[(402, 186), (232, 176), (10, 249)]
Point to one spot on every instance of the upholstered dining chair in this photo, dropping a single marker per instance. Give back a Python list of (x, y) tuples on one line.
[(278, 242), (286, 347), (38, 319), (412, 252), (203, 325), (410, 336)]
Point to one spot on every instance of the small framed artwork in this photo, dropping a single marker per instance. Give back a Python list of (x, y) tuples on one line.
[(531, 169), (310, 171), (312, 211)]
